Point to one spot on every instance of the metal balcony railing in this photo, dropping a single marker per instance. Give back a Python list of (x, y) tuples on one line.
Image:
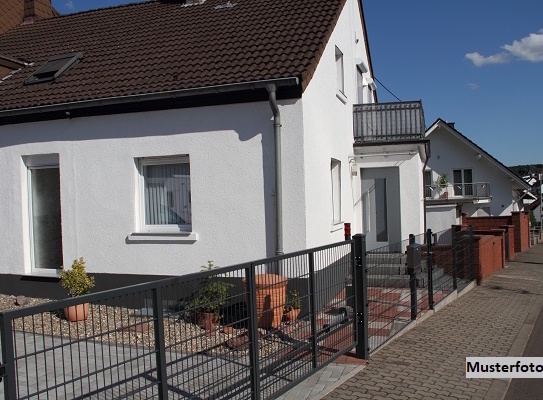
[(388, 122), (477, 190)]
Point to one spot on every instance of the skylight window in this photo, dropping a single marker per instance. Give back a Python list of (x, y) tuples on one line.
[(54, 67)]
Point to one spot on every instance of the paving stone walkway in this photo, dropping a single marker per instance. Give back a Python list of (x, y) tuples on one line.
[(428, 362)]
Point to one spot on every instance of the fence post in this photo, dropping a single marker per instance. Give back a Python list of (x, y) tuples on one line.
[(413, 261), (361, 296), (470, 255), (313, 309), (8, 358), (507, 249), (430, 268), (454, 259), (250, 275), (160, 348)]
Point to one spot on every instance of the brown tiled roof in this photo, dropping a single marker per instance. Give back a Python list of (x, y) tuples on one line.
[(160, 46)]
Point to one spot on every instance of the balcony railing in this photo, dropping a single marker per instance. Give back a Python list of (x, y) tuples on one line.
[(388, 122), (478, 190)]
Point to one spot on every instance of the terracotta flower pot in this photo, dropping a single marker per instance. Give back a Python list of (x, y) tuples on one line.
[(291, 314), (271, 293), (207, 321), (79, 312)]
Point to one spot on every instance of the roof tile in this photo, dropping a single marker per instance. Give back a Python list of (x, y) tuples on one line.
[(163, 45)]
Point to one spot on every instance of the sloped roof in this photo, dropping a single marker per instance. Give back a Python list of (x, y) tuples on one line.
[(164, 45), (520, 183)]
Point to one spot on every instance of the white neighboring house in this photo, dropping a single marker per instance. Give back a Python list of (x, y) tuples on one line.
[(149, 148), (478, 184)]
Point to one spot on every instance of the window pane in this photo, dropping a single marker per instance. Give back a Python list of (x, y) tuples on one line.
[(468, 180), (336, 191), (381, 214), (46, 223), (339, 71), (167, 194), (457, 179)]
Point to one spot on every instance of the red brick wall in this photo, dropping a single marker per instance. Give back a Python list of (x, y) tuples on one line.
[(489, 256), (520, 221), (11, 14)]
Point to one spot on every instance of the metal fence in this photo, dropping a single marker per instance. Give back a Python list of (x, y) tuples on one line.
[(221, 333), (383, 122), (407, 278)]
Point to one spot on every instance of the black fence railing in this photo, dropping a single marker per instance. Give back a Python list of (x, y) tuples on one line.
[(388, 122), (250, 331), (407, 278), (221, 333)]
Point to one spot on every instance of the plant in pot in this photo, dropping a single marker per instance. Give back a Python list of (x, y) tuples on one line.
[(210, 299), (443, 182), (292, 307), (77, 282)]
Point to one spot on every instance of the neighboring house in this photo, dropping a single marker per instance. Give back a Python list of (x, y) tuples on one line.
[(478, 184), (152, 137)]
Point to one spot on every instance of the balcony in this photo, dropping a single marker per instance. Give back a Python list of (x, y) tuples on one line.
[(478, 192), (388, 122)]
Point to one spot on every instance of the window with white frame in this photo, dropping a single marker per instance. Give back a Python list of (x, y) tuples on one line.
[(164, 194), (335, 170), (340, 78), (44, 213)]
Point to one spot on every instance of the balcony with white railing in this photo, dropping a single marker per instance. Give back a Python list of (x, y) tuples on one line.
[(388, 122), (477, 192)]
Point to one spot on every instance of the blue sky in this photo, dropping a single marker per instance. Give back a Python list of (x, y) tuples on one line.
[(478, 63)]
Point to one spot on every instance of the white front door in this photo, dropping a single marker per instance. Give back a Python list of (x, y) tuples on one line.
[(380, 206)]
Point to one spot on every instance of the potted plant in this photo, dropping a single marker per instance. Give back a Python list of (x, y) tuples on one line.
[(210, 299), (77, 282), (443, 182), (292, 307)]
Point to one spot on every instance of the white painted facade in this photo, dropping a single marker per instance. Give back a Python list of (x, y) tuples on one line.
[(231, 154), (453, 151)]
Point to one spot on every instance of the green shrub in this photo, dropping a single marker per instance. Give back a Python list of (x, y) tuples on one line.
[(75, 280), (212, 294)]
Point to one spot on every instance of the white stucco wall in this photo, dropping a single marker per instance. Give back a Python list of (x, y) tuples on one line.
[(232, 186), (449, 153), (328, 129), (407, 159), (441, 217)]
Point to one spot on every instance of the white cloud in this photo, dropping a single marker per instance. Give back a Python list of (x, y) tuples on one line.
[(472, 86), (529, 48), (479, 60), (70, 5)]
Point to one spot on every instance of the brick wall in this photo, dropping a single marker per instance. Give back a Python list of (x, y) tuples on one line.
[(15, 12), (489, 255), (519, 220), (11, 14)]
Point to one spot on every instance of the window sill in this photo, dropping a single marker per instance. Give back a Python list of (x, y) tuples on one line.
[(337, 226), (147, 237), (44, 273), (341, 96)]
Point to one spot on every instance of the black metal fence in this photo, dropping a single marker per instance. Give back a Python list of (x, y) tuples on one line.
[(221, 333), (250, 331), (408, 278)]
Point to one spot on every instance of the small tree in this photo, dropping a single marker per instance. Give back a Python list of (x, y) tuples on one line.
[(75, 280), (212, 294)]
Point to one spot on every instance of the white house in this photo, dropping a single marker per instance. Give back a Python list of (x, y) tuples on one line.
[(477, 183), (152, 137)]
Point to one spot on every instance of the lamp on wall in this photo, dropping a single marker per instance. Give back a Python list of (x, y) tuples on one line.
[(354, 167), (478, 156)]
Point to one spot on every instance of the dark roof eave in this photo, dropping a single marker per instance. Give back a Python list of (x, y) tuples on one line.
[(107, 102)]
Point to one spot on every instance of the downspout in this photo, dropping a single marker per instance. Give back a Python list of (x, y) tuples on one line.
[(278, 170), (427, 151)]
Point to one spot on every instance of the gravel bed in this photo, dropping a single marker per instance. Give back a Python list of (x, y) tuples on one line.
[(118, 325)]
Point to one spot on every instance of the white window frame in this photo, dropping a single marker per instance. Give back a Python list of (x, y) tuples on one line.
[(340, 75), (34, 162), (335, 179), (144, 228)]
